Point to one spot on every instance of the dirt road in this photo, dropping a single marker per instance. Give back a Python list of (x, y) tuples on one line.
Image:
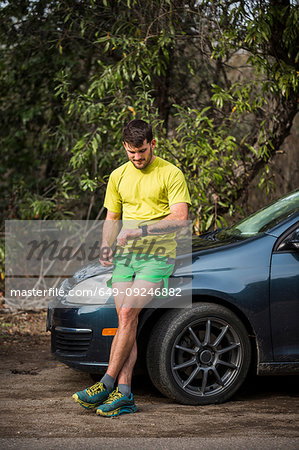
[(36, 400)]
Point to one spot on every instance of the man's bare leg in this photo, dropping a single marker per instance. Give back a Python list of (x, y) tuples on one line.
[(121, 287), (125, 375), (125, 338), (128, 309)]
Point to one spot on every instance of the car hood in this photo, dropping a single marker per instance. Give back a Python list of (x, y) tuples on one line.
[(204, 242), (207, 242)]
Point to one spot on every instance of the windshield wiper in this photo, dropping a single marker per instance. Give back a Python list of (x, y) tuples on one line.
[(211, 235), (231, 233)]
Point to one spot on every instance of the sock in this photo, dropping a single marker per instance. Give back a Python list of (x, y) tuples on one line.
[(108, 382), (124, 389)]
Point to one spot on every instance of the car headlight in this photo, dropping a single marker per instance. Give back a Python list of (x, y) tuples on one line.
[(92, 291)]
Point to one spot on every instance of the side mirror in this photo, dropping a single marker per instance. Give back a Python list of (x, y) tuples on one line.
[(291, 244)]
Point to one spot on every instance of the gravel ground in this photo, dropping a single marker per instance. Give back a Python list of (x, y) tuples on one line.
[(38, 411)]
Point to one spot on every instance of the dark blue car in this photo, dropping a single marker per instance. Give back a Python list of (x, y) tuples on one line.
[(244, 313)]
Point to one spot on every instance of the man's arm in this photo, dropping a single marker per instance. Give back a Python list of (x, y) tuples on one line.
[(110, 231), (175, 220)]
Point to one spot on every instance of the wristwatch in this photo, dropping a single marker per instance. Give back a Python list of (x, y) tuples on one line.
[(144, 230)]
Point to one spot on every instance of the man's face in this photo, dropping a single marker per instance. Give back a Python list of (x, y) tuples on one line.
[(142, 156)]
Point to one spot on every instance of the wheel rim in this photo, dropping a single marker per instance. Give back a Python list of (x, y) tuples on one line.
[(206, 357)]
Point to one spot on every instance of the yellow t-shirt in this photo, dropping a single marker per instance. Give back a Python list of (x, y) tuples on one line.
[(143, 196)]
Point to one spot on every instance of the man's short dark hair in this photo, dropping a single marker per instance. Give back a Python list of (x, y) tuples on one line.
[(136, 131)]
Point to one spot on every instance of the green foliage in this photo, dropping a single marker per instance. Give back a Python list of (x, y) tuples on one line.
[(268, 31), (216, 79), (207, 157)]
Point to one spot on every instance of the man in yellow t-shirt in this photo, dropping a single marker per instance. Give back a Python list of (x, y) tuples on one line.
[(151, 197)]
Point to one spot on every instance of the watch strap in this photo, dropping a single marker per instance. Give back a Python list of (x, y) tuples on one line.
[(144, 230)]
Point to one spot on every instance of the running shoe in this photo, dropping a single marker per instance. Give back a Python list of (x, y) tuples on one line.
[(117, 404), (92, 397)]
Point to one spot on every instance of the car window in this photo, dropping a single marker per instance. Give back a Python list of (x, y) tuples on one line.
[(266, 218)]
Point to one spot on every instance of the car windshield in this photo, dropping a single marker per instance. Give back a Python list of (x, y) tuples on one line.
[(264, 219)]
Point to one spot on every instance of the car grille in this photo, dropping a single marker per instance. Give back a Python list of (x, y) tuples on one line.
[(72, 341)]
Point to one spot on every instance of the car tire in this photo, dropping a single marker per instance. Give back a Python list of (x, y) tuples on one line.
[(200, 355)]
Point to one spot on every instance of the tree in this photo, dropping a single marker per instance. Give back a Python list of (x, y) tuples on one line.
[(172, 63), (74, 71)]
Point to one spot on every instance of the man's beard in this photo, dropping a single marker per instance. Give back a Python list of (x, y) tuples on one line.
[(145, 163)]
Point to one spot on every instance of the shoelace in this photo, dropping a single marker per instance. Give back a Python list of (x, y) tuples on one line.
[(115, 395), (98, 387)]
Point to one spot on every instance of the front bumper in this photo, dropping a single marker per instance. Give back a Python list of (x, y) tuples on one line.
[(76, 335)]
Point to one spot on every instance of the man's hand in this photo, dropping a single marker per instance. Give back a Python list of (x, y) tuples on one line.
[(110, 231), (125, 235), (106, 256)]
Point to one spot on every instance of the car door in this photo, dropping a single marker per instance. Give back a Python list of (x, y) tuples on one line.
[(284, 296)]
